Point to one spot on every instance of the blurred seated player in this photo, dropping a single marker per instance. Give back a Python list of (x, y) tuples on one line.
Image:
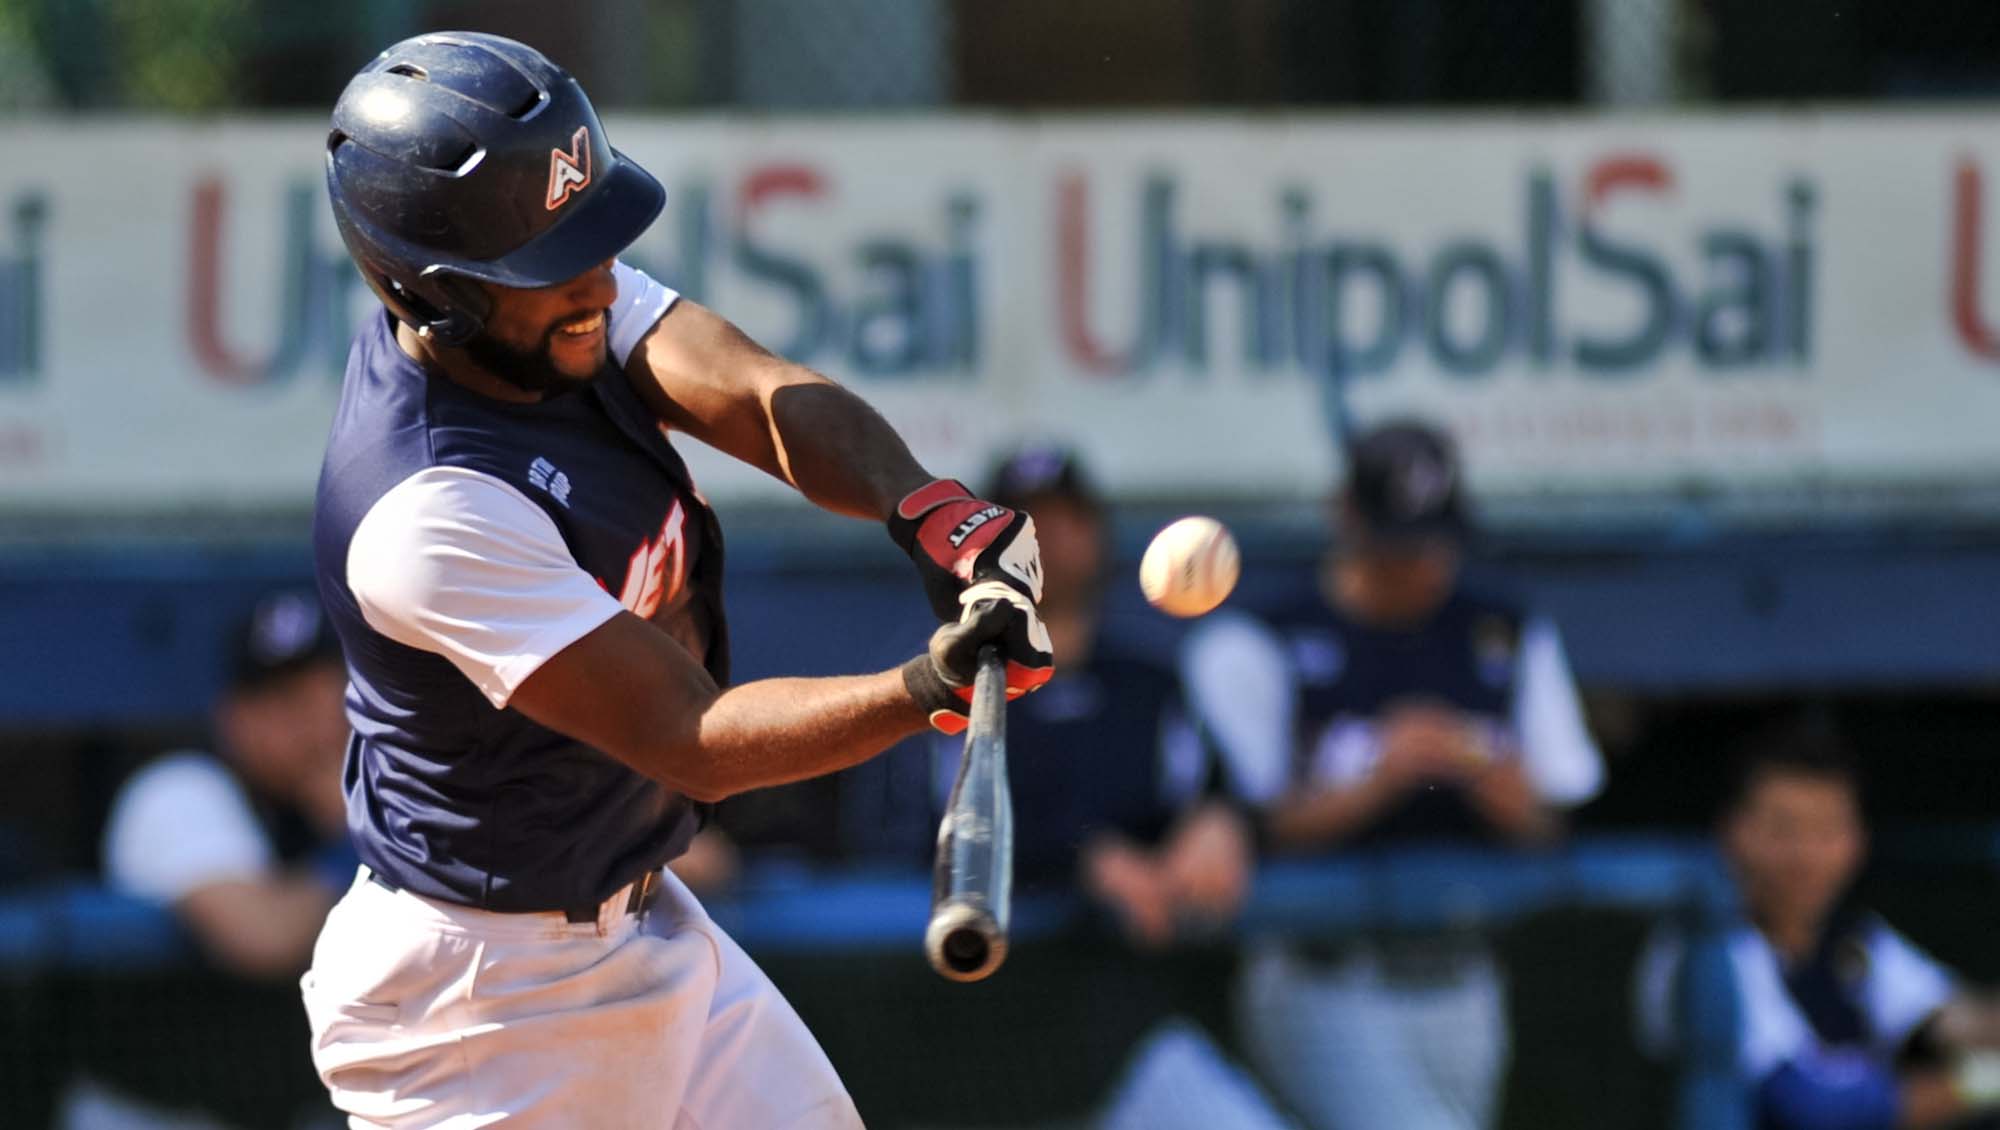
[(1844, 1025), (249, 844), (1388, 705)]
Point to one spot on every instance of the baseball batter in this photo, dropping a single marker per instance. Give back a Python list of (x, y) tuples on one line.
[(528, 589)]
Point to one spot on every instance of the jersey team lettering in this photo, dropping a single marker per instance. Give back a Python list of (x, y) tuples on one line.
[(658, 568)]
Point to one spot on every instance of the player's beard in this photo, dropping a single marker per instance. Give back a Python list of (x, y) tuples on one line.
[(530, 370)]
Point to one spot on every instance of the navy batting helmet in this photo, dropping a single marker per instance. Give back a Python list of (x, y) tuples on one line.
[(457, 156)]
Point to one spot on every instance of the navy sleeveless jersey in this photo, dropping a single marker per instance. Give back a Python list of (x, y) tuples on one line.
[(449, 795), (1350, 675), (1100, 748)]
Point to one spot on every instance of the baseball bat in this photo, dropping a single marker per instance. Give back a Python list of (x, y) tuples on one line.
[(973, 879)]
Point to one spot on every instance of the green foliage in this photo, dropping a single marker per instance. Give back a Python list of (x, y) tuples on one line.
[(24, 84), (178, 55)]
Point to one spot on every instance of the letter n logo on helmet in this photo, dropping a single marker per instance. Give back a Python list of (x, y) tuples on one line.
[(569, 171)]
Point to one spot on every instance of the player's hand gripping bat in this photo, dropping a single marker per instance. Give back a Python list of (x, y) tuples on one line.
[(973, 878)]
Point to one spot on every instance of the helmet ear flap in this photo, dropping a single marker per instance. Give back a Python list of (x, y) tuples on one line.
[(452, 325), (466, 312)]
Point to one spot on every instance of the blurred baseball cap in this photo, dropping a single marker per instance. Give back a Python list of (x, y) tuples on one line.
[(285, 632), (1405, 486), (1035, 470)]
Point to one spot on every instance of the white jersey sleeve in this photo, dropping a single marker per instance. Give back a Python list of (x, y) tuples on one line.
[(1562, 761), (454, 561), (1904, 985), (640, 305), (180, 824), (1244, 694), (1772, 1029)]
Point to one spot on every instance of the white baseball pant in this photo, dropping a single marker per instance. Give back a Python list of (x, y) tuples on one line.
[(1349, 1048), (425, 1014)]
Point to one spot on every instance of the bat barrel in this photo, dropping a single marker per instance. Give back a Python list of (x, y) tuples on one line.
[(972, 885), (964, 941)]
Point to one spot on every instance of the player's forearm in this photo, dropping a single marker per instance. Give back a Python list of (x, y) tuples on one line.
[(631, 690), (1508, 802), (1318, 818), (258, 927), (1524, 826), (837, 450), (775, 731), (1928, 1100)]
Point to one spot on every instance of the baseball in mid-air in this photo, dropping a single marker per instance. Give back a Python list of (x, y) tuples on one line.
[(1190, 567)]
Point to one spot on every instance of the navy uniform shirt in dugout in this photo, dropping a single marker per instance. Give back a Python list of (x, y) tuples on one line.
[(543, 520), (1351, 676), (1103, 747)]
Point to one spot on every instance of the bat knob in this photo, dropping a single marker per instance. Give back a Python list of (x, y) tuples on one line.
[(964, 943)]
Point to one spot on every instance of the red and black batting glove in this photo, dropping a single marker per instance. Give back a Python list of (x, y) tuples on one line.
[(958, 541), (995, 612)]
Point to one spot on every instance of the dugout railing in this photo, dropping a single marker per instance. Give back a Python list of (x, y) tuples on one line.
[(96, 983)]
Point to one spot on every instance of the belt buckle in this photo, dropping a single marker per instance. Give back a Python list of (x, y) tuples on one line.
[(645, 892)]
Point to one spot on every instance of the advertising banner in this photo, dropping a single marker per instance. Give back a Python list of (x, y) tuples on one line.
[(1598, 305)]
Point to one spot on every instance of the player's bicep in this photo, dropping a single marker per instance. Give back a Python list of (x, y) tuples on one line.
[(630, 690), (261, 927), (702, 375)]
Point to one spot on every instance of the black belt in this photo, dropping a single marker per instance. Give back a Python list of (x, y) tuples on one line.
[(645, 892), (1411, 960)]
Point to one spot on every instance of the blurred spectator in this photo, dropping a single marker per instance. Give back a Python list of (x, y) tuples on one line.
[(249, 844), (1844, 1025), (1391, 707)]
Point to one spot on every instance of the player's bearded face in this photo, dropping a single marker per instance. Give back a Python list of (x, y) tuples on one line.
[(548, 339)]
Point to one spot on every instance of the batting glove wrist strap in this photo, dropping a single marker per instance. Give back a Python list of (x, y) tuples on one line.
[(957, 540), (993, 612), (938, 698)]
